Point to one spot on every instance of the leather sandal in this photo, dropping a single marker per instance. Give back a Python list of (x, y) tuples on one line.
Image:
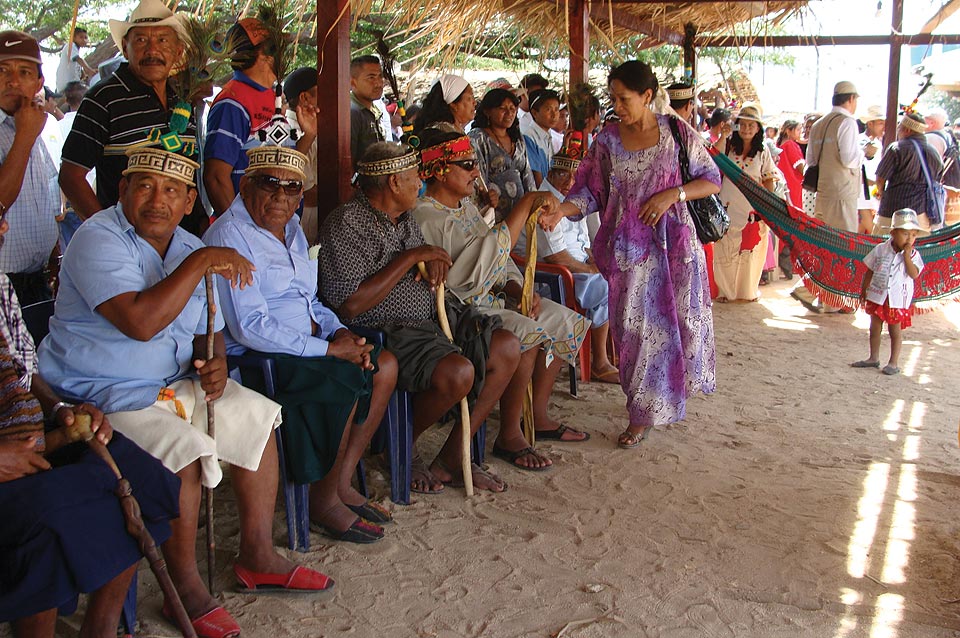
[(301, 580), (216, 623)]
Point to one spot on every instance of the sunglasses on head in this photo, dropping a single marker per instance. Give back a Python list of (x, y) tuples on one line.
[(271, 184), (467, 165)]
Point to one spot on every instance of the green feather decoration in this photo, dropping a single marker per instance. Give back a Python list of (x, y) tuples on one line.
[(277, 17)]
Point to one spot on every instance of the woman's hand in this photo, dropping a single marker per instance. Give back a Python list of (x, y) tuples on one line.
[(654, 208)]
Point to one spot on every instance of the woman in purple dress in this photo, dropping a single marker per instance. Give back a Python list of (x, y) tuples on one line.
[(647, 249)]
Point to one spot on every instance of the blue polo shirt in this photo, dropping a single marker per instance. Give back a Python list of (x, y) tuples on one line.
[(85, 357), (241, 109), (274, 313)]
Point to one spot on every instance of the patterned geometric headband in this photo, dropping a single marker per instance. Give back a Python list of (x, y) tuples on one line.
[(159, 162), (682, 93), (389, 166), (262, 157), (434, 161), (913, 125)]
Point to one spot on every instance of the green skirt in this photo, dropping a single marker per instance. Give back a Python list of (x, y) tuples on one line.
[(317, 395)]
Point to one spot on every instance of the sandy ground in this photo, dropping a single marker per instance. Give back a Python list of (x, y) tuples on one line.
[(804, 498)]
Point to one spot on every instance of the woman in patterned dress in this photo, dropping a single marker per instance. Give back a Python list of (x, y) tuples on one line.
[(647, 249), (500, 149), (738, 258)]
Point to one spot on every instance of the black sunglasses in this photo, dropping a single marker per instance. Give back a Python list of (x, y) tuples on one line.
[(271, 184), (467, 165)]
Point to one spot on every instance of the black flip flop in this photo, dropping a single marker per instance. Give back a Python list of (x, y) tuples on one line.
[(511, 457), (557, 435)]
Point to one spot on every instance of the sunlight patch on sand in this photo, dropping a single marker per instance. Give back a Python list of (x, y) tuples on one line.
[(889, 615), (869, 509)]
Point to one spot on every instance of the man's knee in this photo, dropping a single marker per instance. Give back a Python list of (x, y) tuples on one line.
[(453, 377), (504, 349), (387, 370)]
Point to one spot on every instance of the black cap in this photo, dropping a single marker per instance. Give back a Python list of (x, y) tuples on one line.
[(303, 79), (49, 93)]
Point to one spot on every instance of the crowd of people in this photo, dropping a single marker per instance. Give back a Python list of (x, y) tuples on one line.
[(141, 224)]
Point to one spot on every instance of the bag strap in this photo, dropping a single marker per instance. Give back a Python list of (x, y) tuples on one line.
[(926, 169), (824, 136), (681, 149)]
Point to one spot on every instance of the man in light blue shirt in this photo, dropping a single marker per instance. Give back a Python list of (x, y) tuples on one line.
[(128, 334), (568, 245), (28, 179), (279, 314)]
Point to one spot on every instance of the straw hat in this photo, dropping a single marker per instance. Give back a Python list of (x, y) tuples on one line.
[(845, 88), (873, 113), (751, 111), (149, 13)]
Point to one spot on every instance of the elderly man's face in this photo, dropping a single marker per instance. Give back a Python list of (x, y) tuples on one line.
[(408, 187), (271, 196), (154, 205), (152, 52), (19, 80)]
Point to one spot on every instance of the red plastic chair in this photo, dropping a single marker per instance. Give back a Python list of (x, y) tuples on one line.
[(559, 279)]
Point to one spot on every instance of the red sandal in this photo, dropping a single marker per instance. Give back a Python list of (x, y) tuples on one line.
[(301, 580), (216, 623)]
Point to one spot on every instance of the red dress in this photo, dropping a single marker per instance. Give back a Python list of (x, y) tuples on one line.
[(788, 163)]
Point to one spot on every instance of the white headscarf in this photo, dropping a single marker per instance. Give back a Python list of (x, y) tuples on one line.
[(453, 86)]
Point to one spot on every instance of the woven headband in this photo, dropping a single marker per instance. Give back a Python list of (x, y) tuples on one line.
[(908, 122), (388, 166), (434, 160), (682, 93)]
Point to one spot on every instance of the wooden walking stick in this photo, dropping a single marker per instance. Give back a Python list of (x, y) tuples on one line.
[(464, 404), (134, 522), (526, 305), (211, 432)]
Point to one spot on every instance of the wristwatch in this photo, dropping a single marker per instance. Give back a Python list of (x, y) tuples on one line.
[(681, 194)]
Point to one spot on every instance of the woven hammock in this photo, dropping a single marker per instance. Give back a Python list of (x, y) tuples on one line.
[(832, 259)]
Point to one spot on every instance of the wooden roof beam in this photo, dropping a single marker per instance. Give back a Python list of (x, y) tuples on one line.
[(944, 12), (600, 13), (822, 40)]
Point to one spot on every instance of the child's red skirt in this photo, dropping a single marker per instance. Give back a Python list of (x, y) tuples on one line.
[(889, 315)]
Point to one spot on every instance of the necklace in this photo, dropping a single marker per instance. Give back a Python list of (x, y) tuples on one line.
[(505, 145)]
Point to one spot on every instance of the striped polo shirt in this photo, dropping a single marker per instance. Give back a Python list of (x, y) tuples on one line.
[(116, 115)]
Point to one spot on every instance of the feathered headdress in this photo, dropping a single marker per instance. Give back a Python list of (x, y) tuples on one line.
[(203, 59), (912, 107), (277, 18), (387, 62)]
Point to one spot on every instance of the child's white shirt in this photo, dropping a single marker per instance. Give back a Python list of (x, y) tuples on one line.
[(890, 279)]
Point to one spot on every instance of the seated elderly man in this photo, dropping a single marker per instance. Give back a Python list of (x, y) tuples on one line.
[(127, 334), (64, 532), (568, 245), (368, 270), (279, 313), (484, 276)]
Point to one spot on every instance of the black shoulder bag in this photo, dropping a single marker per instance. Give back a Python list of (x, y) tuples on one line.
[(811, 176), (709, 216)]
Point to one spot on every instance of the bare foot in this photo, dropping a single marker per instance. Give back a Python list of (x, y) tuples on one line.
[(422, 480)]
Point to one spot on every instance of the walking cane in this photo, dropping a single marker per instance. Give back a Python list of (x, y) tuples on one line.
[(464, 405), (526, 305), (135, 526), (211, 432)]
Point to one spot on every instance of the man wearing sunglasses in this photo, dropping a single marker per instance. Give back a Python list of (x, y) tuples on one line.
[(129, 335), (484, 276), (279, 314)]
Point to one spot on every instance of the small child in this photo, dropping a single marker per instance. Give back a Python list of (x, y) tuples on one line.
[(887, 290)]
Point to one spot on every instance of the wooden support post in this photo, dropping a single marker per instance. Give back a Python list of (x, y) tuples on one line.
[(333, 97), (690, 52), (893, 75), (579, 41)]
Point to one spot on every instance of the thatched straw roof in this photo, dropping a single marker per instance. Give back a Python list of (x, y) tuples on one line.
[(452, 25)]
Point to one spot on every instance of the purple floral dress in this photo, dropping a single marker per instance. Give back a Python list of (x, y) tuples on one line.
[(660, 310)]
